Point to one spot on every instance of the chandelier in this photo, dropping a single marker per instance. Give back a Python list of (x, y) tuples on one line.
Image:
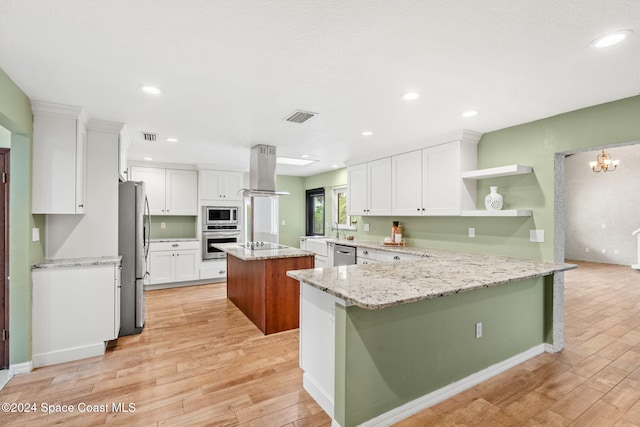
[(604, 163)]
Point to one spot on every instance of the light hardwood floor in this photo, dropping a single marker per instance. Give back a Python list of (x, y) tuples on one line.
[(199, 362)]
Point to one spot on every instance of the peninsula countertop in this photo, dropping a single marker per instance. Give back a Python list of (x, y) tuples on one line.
[(439, 273), (246, 254)]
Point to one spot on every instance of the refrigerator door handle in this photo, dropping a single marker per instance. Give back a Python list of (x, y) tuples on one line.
[(147, 213)]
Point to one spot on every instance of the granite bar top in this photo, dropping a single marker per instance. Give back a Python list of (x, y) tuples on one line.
[(78, 262), (441, 273), (245, 254)]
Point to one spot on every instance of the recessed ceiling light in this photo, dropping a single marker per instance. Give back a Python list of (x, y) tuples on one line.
[(470, 113), (148, 158), (367, 133), (305, 156), (294, 161), (613, 38), (334, 166), (409, 96), (171, 139), (151, 90)]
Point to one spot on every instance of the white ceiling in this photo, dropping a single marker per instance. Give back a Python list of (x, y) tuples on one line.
[(232, 70)]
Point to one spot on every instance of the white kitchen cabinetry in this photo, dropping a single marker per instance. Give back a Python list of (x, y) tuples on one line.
[(496, 172), (370, 188), (428, 181), (365, 256), (59, 159), (173, 262), (368, 256), (220, 185), (213, 269), (170, 191), (123, 145), (76, 310)]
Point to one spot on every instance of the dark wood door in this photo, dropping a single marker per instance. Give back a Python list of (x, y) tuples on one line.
[(4, 258)]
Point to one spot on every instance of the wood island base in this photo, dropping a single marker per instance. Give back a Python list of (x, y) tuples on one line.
[(264, 293)]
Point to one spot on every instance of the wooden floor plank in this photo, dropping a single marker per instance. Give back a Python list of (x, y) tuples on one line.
[(199, 361)]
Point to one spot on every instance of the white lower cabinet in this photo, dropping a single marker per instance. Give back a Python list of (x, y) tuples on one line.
[(75, 311), (368, 256), (173, 262), (213, 269)]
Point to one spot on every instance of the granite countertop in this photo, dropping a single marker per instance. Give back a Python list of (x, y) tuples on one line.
[(413, 250), (78, 262), (386, 284), (245, 254)]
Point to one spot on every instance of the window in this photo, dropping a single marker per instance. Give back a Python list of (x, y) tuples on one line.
[(340, 215), (315, 212)]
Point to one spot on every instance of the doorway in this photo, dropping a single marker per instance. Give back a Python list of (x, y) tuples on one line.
[(4, 257)]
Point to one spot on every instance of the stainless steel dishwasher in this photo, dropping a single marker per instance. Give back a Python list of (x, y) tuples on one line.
[(344, 255)]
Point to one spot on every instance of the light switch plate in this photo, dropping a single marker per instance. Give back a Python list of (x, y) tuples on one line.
[(163, 225), (35, 234), (472, 232), (536, 236), (366, 227)]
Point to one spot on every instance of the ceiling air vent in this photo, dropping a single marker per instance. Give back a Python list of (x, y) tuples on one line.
[(149, 137), (299, 116)]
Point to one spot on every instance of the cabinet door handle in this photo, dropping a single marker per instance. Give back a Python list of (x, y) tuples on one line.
[(221, 272), (365, 252), (175, 245), (81, 206), (396, 257)]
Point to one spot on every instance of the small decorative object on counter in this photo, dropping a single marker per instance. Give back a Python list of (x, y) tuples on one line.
[(493, 201), (398, 236), (394, 230)]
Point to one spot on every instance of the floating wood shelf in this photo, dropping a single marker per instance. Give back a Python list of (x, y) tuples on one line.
[(496, 172)]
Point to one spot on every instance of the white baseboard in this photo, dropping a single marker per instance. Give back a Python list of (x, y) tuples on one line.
[(411, 408), (321, 398), (21, 368), (183, 284), (5, 376), (69, 354)]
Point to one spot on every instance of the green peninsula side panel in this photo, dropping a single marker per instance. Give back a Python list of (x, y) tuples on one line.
[(386, 358)]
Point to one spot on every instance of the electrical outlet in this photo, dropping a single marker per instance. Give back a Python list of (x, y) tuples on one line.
[(479, 330), (586, 250), (35, 234), (604, 226), (284, 222), (604, 251), (616, 252), (366, 227), (472, 232), (163, 225)]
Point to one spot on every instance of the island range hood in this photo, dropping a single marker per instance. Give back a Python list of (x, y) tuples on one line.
[(262, 172)]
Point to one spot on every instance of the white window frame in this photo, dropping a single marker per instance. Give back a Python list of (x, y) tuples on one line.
[(334, 209)]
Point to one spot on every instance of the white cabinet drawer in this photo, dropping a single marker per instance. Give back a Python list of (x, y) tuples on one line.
[(385, 256), (174, 246), (214, 269)]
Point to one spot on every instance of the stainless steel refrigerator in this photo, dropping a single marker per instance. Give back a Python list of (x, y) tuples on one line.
[(133, 245)]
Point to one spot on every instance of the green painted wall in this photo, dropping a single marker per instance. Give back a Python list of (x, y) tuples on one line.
[(532, 144), (176, 227), (386, 358), (291, 210), (16, 116)]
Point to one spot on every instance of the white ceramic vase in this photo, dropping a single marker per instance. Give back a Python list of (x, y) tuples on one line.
[(493, 201)]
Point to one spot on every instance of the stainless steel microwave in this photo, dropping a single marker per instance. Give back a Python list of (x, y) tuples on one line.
[(219, 215)]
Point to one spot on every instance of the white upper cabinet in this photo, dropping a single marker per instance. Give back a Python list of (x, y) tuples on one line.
[(358, 189), (370, 188), (406, 182), (59, 159), (220, 185), (441, 179), (169, 191), (123, 146)]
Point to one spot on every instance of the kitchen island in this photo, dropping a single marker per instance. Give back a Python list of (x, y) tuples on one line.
[(381, 341), (258, 285)]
